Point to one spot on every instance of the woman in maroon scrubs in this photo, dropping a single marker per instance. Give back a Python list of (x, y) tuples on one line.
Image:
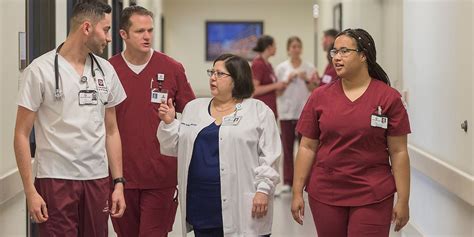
[(354, 147), (264, 79)]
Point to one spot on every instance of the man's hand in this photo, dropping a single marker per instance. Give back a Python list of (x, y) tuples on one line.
[(118, 202), (37, 208)]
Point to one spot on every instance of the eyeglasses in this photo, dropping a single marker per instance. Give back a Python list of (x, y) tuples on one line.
[(344, 52), (218, 74)]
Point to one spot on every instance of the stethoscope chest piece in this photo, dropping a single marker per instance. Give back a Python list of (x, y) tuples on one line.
[(83, 79), (58, 94)]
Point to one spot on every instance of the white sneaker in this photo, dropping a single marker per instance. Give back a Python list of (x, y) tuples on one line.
[(282, 189)]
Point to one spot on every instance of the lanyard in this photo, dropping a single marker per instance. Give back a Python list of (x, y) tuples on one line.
[(160, 82)]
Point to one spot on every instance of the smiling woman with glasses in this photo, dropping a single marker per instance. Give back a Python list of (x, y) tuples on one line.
[(227, 147), (355, 139)]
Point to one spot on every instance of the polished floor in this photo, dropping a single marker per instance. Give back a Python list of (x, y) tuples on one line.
[(283, 224)]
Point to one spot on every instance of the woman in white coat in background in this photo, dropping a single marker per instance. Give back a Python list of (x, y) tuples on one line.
[(298, 75), (227, 146)]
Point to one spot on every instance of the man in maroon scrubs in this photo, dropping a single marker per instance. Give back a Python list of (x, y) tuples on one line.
[(148, 77), (329, 74)]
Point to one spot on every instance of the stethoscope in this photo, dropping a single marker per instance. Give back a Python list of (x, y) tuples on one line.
[(58, 94)]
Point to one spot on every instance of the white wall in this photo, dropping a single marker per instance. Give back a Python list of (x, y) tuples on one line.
[(437, 212), (155, 6), (438, 75), (12, 20), (61, 21), (437, 72), (323, 22), (185, 29), (390, 54)]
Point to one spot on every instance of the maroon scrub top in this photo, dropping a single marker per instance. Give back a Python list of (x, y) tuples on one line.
[(329, 71), (352, 166), (263, 71), (137, 117)]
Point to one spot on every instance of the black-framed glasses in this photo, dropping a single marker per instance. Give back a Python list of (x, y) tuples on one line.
[(344, 52), (211, 72)]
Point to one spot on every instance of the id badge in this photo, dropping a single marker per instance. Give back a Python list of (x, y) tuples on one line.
[(231, 120), (274, 79), (379, 121), (87, 97), (326, 79), (159, 96)]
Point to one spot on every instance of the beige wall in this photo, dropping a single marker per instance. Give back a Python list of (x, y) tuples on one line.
[(156, 6), (185, 29), (12, 20)]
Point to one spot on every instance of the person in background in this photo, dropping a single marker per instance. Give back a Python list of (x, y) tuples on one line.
[(147, 76), (264, 78), (227, 147), (329, 74), (297, 74), (354, 147), (70, 95)]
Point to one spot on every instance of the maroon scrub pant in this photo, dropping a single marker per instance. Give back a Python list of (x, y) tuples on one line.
[(75, 207), (149, 213), (365, 221), (288, 136)]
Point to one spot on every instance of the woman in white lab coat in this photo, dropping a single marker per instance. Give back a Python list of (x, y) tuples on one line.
[(226, 146)]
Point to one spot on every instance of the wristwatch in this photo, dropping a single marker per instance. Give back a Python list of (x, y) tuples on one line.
[(120, 180)]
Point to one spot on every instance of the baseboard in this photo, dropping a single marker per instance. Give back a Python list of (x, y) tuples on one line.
[(10, 185)]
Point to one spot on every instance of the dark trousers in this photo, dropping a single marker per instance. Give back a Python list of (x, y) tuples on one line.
[(288, 136), (371, 220), (214, 232), (149, 213), (75, 207)]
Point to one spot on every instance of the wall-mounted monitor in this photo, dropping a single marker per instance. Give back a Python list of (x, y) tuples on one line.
[(236, 37)]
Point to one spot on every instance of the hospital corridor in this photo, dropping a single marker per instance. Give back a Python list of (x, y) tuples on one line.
[(236, 118)]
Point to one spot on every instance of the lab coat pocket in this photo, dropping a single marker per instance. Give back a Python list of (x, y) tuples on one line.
[(253, 226)]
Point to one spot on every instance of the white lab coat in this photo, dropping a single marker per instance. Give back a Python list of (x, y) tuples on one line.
[(248, 153)]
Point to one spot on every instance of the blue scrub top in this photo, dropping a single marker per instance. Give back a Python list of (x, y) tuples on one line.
[(203, 209)]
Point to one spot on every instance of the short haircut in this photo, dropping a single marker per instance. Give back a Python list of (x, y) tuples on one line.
[(263, 43), (129, 12), (239, 70), (291, 40), (93, 11), (331, 32)]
